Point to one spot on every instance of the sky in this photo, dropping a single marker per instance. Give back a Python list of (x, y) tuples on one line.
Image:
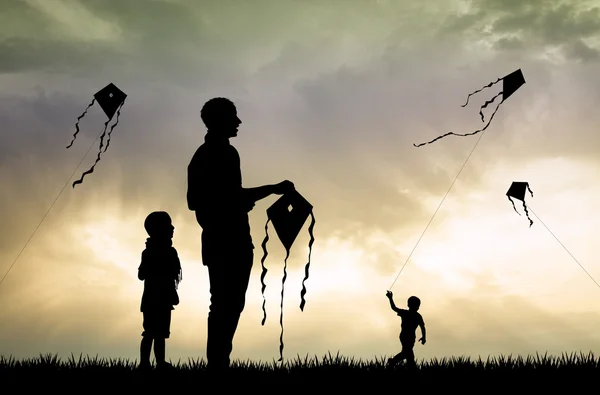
[(332, 96)]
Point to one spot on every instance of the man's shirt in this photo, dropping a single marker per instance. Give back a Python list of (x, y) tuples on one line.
[(215, 193)]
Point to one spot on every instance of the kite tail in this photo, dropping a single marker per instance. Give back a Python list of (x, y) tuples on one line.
[(466, 134), (77, 123), (527, 213), (477, 91), (306, 268), (264, 272), (281, 314), (530, 191), (486, 104), (91, 169), (113, 126), (513, 203)]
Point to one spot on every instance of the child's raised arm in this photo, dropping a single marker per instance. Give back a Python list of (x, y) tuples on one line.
[(392, 304)]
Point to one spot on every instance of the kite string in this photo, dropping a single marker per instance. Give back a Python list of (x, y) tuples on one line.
[(438, 208), (47, 212), (565, 248)]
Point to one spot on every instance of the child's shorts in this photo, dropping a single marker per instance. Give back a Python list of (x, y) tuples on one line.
[(157, 324)]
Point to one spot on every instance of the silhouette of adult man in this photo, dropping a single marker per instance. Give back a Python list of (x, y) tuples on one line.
[(221, 206)]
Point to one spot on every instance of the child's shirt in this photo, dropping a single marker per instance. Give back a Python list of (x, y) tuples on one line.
[(160, 270), (410, 321)]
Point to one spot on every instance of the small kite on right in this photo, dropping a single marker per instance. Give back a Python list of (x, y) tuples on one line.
[(517, 190)]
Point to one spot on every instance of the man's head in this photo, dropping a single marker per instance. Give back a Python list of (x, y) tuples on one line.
[(158, 224), (414, 303), (220, 116)]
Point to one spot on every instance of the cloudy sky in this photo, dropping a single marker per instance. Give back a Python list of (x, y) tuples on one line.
[(332, 95)]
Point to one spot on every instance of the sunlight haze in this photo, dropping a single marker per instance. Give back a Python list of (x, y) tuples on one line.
[(332, 96)]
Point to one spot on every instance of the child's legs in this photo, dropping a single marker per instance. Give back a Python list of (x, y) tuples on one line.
[(398, 357), (145, 350), (157, 325), (408, 345), (163, 332)]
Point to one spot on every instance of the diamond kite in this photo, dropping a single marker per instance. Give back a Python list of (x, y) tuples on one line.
[(517, 190), (510, 84), (288, 215), (111, 100)]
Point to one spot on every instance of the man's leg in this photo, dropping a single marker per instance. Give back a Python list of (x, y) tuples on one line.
[(229, 277), (215, 354), (239, 277)]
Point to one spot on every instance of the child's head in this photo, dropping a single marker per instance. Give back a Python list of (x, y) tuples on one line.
[(158, 224), (414, 303)]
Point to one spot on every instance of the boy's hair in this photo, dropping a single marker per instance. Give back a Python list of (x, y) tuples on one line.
[(414, 302), (214, 110), (155, 222)]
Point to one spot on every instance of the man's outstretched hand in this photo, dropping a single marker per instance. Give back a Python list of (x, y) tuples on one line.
[(389, 294), (283, 187), (249, 205)]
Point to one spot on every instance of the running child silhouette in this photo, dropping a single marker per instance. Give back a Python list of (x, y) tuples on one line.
[(160, 271), (411, 319)]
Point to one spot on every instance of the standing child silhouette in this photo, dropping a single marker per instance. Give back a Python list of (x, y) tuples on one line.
[(411, 319), (160, 271)]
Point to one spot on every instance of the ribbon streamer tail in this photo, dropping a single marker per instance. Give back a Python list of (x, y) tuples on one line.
[(264, 272), (513, 204), (486, 104), (113, 126), (527, 213), (466, 134), (77, 123), (91, 169), (307, 267), (479, 90), (281, 314)]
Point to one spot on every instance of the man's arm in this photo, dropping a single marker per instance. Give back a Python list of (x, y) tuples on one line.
[(258, 193)]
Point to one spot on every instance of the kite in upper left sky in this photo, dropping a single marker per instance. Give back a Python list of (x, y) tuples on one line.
[(510, 84), (111, 99), (517, 190)]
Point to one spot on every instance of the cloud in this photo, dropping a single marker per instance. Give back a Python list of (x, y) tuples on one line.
[(543, 25)]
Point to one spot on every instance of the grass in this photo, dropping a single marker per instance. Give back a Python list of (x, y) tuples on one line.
[(85, 374)]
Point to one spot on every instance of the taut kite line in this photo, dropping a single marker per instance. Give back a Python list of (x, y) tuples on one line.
[(111, 99), (288, 215), (510, 84), (517, 190)]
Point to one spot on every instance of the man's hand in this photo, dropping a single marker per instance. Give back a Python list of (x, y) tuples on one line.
[(283, 187), (422, 340), (389, 294)]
